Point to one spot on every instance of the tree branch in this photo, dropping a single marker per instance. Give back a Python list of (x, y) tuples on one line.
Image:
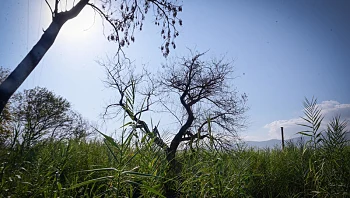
[(52, 13)]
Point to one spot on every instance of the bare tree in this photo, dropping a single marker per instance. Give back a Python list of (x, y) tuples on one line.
[(123, 78), (212, 108), (124, 17)]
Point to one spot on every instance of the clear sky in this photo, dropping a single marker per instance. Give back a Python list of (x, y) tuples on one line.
[(283, 51)]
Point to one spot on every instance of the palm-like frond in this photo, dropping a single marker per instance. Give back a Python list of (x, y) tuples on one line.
[(313, 118), (335, 138)]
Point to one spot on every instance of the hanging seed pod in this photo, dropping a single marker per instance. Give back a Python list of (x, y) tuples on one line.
[(122, 43)]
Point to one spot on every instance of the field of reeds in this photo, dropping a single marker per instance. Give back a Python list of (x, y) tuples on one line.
[(133, 167)]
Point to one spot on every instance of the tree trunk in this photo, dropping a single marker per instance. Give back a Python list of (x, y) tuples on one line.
[(172, 172), (28, 64), (22, 71), (174, 167)]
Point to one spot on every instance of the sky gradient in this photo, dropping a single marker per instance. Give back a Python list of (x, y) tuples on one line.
[(282, 51)]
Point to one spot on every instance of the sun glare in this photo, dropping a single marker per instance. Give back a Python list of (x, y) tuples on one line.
[(81, 27)]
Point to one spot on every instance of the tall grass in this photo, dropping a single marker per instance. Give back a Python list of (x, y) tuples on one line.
[(133, 167)]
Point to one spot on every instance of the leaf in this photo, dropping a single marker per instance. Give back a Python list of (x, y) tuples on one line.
[(304, 125), (139, 174), (91, 181), (112, 152), (129, 138), (59, 186), (99, 169), (152, 190), (109, 139), (305, 133), (307, 120), (132, 157), (131, 182), (144, 139), (127, 124)]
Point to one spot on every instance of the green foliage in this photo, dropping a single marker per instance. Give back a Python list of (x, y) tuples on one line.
[(327, 156), (131, 166), (5, 116), (335, 136), (334, 145), (314, 118), (134, 166), (38, 114)]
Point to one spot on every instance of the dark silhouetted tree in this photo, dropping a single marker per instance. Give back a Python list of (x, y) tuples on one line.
[(213, 109), (210, 108), (124, 17)]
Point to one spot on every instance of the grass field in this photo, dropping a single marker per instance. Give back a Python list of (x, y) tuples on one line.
[(132, 167)]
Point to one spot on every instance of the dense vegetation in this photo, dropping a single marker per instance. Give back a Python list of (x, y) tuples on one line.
[(47, 151), (46, 148), (133, 167)]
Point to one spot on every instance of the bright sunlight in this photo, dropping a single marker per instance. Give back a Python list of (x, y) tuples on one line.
[(82, 27)]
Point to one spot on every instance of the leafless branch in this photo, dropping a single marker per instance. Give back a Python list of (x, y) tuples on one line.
[(56, 7), (52, 13), (206, 96), (123, 79)]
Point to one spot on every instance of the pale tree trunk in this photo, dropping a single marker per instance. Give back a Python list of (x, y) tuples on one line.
[(28, 64)]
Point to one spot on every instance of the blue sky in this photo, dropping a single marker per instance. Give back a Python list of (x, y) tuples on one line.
[(283, 51)]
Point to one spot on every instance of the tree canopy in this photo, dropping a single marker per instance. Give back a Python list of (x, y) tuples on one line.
[(38, 114)]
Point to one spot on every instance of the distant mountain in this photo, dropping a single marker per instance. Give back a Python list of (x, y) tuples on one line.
[(274, 143), (264, 144)]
